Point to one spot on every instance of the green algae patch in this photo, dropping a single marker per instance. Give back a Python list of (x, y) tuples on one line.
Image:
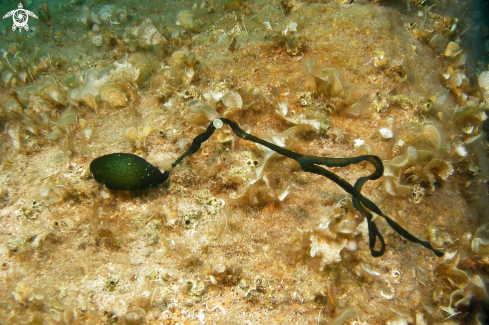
[(123, 171)]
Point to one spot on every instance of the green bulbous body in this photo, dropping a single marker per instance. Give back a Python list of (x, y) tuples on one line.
[(123, 171)]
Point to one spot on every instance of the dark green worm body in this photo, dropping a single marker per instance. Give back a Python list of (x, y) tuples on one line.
[(124, 171)]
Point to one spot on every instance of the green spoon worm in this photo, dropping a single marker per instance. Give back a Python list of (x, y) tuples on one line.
[(125, 171)]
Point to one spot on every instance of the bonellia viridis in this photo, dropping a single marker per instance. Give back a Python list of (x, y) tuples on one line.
[(121, 171)]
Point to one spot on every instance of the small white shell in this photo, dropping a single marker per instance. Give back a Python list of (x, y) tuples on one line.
[(386, 132)]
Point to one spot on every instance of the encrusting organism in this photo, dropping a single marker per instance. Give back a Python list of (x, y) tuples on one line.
[(121, 171)]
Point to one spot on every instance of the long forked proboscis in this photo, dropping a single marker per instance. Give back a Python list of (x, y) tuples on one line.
[(310, 164)]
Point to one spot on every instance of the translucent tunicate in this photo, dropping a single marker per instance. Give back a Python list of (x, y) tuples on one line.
[(55, 315), (484, 84), (200, 107), (328, 83), (480, 243), (75, 96), (68, 119), (452, 49), (89, 96), (440, 98), (114, 94), (54, 135), (341, 319), (106, 12), (185, 19), (232, 99)]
